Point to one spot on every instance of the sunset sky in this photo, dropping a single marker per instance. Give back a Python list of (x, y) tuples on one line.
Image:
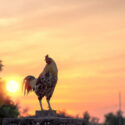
[(85, 37)]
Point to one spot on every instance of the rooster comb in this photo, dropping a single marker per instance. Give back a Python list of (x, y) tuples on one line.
[(47, 56)]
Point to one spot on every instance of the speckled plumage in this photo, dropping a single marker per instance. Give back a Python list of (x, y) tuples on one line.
[(45, 86)]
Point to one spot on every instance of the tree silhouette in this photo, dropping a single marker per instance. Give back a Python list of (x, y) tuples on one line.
[(86, 117), (88, 120), (114, 119), (1, 65), (7, 108), (9, 111)]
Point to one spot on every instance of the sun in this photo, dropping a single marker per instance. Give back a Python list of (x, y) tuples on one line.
[(12, 86)]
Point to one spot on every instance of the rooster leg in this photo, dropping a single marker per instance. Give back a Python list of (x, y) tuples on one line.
[(49, 105), (41, 105)]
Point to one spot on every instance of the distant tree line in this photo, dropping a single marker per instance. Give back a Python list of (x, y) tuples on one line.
[(110, 119)]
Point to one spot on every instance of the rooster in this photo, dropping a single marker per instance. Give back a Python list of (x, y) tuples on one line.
[(45, 84)]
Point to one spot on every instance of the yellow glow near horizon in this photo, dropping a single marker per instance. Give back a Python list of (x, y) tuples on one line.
[(12, 86)]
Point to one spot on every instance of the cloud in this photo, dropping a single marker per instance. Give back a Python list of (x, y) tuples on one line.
[(44, 15), (114, 71)]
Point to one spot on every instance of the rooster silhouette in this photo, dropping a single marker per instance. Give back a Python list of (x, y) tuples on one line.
[(45, 84)]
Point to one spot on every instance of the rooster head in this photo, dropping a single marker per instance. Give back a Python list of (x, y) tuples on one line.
[(48, 59)]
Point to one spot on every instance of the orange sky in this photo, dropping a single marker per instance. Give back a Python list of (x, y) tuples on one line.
[(85, 37)]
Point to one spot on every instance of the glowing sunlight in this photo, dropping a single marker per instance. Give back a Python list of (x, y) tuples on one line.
[(12, 86)]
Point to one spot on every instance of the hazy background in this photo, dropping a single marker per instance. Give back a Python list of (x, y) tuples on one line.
[(85, 37)]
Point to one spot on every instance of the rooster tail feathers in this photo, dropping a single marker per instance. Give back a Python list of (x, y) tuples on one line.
[(26, 84)]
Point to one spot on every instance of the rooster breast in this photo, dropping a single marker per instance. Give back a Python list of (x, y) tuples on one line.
[(45, 86)]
